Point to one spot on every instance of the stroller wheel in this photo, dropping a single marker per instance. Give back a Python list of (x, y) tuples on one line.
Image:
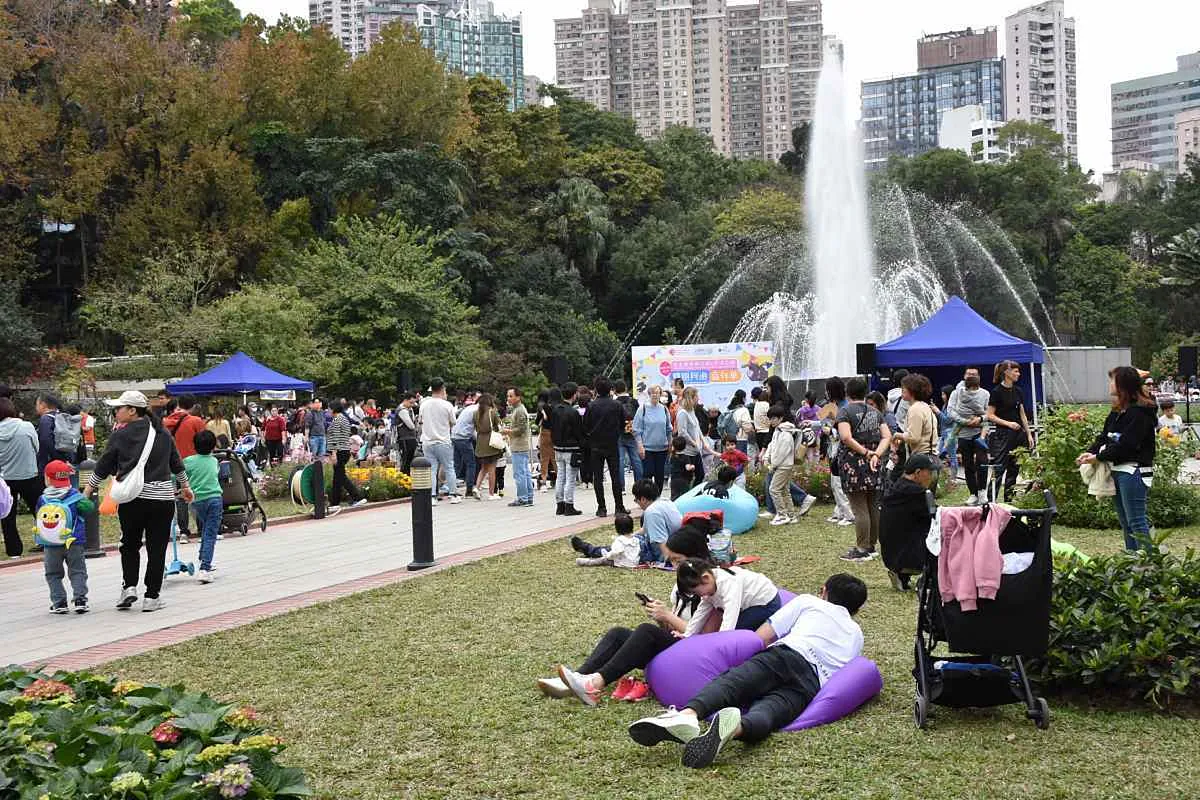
[(262, 513), (921, 711), (1041, 717), (244, 529)]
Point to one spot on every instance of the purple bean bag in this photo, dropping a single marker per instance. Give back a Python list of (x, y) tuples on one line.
[(680, 672)]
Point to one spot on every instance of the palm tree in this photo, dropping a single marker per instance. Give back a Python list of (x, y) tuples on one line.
[(577, 216), (1184, 252)]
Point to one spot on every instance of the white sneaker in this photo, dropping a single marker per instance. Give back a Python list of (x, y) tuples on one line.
[(833, 519), (575, 682), (765, 515), (973, 499), (359, 503), (808, 503), (983, 498), (781, 519), (667, 726), (845, 523), (554, 687), (455, 499), (129, 596), (495, 497), (152, 603), (333, 510), (433, 501), (206, 575)]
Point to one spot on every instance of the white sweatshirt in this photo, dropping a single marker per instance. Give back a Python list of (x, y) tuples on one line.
[(742, 589)]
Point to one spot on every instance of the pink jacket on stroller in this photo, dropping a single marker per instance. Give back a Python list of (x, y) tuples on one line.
[(970, 564)]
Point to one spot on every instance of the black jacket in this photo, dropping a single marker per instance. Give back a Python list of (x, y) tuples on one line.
[(903, 524), (1128, 437), (604, 423), (125, 448), (630, 405), (566, 427)]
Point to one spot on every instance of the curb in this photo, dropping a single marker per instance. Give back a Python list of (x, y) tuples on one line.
[(152, 640), (291, 519)]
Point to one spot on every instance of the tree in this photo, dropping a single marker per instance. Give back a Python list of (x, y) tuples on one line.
[(1018, 135), (629, 183), (760, 211), (1184, 253), (19, 335), (384, 303), (945, 176), (693, 171), (577, 217), (207, 24), (795, 160), (1099, 293)]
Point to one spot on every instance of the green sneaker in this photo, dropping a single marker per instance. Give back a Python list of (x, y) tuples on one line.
[(701, 751)]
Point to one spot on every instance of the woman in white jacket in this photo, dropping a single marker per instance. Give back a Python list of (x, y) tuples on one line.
[(746, 599)]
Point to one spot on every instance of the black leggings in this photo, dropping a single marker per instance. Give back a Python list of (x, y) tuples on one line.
[(151, 520), (29, 490), (613, 459), (622, 650), (1002, 447), (968, 456), (341, 482), (776, 684)]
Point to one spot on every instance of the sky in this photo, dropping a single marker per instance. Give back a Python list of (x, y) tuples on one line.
[(1115, 42)]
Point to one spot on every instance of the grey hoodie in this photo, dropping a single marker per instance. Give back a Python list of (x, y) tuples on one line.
[(965, 404), (18, 449), (782, 450)]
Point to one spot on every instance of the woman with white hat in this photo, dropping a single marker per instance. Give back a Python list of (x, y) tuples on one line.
[(147, 516)]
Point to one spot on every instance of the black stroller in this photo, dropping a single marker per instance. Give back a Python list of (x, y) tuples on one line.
[(239, 503), (998, 635)]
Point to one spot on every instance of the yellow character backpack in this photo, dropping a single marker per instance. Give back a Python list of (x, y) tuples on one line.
[(56, 520)]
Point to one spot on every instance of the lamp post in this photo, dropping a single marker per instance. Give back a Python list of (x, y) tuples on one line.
[(422, 514)]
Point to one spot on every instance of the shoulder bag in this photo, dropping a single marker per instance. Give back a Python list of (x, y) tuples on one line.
[(128, 488)]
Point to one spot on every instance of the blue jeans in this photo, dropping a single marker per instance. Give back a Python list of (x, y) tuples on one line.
[(949, 447), (441, 454), (627, 447), (316, 446), (208, 520), (651, 552), (798, 494), (1130, 501), (464, 460), (69, 560), (564, 487), (520, 465)]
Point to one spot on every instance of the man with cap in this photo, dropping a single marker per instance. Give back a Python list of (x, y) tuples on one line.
[(62, 532), (148, 516), (904, 520)]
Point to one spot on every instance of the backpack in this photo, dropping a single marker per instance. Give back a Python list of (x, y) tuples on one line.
[(68, 432), (56, 522), (727, 425)]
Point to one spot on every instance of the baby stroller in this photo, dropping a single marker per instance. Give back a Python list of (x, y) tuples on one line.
[(252, 450), (239, 503), (1015, 625)]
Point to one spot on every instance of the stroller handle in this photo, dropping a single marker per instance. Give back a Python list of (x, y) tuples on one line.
[(1051, 509)]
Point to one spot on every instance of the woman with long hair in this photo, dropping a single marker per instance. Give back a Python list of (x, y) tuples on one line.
[(546, 475), (835, 394), (688, 426), (1006, 410), (1127, 444), (865, 438), (148, 516), (779, 394), (486, 456)]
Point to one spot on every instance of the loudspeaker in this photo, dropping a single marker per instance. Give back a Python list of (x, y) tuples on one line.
[(555, 368), (404, 380), (1187, 361), (865, 357)]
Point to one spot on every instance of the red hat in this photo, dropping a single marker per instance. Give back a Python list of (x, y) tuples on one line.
[(58, 474)]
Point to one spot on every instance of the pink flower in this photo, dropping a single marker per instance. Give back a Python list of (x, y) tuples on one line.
[(165, 733), (46, 689)]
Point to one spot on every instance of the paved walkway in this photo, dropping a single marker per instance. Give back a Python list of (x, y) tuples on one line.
[(288, 567)]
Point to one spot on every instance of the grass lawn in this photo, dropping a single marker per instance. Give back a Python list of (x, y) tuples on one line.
[(425, 690)]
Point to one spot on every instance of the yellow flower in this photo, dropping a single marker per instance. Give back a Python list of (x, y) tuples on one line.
[(216, 752)]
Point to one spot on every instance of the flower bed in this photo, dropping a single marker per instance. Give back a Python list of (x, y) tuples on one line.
[(76, 735)]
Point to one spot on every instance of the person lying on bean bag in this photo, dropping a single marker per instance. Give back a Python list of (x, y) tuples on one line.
[(808, 640)]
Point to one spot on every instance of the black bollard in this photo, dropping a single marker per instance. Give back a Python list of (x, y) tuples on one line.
[(422, 514), (317, 484), (92, 545)]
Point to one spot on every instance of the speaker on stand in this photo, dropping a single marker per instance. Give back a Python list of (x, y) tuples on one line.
[(864, 353), (556, 371)]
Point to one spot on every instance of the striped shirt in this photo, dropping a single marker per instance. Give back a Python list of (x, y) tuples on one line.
[(338, 436)]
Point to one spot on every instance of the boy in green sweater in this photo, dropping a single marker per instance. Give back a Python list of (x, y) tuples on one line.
[(203, 475)]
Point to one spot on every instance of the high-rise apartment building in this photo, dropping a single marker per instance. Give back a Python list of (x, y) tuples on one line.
[(1187, 136), (901, 114), (466, 35), (1041, 68), (969, 130), (1145, 111), (744, 75)]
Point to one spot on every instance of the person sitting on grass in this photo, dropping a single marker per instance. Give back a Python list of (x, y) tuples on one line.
[(625, 550), (904, 520), (806, 641), (746, 599), (622, 650), (660, 519)]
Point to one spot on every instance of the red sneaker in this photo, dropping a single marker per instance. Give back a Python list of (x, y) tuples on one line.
[(623, 687), (640, 690)]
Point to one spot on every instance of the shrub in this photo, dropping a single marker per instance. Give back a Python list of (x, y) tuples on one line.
[(277, 481), (1128, 623), (81, 735), (1071, 430), (381, 483)]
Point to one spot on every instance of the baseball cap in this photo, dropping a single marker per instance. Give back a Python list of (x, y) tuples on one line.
[(130, 398), (918, 462), (58, 474)]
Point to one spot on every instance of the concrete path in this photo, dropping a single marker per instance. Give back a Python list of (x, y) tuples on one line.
[(286, 567)]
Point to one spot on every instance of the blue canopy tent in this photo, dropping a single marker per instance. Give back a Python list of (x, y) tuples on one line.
[(956, 336), (238, 374)]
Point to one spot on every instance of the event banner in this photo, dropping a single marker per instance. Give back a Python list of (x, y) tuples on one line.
[(716, 370)]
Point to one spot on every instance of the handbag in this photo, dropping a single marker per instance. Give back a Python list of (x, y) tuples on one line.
[(128, 488), (496, 441)]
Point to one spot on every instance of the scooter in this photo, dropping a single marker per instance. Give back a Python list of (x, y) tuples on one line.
[(176, 566)]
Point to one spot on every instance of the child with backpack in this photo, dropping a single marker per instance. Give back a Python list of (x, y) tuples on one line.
[(203, 472), (62, 532)]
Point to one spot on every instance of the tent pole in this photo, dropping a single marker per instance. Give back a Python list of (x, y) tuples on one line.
[(1033, 377)]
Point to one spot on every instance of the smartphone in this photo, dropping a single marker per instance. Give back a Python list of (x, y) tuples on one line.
[(643, 599)]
